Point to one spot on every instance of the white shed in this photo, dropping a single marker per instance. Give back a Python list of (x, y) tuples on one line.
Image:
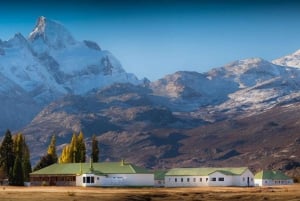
[(188, 177), (271, 178)]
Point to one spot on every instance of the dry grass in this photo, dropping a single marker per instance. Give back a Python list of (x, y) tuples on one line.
[(291, 193)]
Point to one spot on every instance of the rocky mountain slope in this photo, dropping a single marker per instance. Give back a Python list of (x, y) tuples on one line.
[(232, 115)]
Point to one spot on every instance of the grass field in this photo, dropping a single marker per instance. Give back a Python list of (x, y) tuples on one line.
[(290, 193)]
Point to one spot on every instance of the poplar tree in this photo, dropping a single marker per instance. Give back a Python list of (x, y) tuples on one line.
[(66, 155), (75, 151), (52, 149), (26, 163), (18, 173), (95, 149), (50, 157), (22, 165), (81, 149), (7, 156)]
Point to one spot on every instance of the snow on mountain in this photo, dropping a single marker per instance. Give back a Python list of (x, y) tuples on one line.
[(52, 63), (78, 66), (247, 84), (50, 34), (20, 65), (289, 60)]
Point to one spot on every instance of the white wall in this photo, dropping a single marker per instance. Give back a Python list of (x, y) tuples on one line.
[(186, 181), (97, 180), (117, 180), (270, 182), (217, 176), (242, 180), (128, 180)]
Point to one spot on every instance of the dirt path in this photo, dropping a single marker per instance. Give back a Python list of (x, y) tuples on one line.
[(291, 193)]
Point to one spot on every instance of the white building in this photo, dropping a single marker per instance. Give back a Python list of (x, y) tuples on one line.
[(95, 174), (271, 178), (191, 177)]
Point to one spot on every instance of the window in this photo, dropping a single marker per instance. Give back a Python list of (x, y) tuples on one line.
[(221, 178), (175, 179), (97, 178), (92, 180), (83, 180), (214, 179), (194, 180), (181, 179), (206, 179), (188, 179), (200, 179), (88, 180)]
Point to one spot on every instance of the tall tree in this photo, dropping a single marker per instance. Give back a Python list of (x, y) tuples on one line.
[(18, 173), (52, 149), (95, 149), (7, 156), (75, 151), (22, 155), (50, 157), (26, 164), (66, 155), (81, 149), (18, 145)]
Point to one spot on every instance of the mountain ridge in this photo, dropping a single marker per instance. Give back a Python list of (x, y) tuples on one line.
[(57, 85)]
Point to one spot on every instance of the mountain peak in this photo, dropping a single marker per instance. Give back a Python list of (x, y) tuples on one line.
[(292, 60), (39, 29), (51, 33)]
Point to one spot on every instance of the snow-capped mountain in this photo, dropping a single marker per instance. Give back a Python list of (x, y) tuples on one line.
[(289, 60), (51, 64), (243, 83)]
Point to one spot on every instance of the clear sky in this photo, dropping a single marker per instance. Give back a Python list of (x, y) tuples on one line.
[(159, 37)]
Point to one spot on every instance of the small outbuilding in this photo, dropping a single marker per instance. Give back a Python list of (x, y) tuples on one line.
[(93, 174), (159, 178), (271, 178), (191, 177)]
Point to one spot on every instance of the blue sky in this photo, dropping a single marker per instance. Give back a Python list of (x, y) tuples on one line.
[(159, 37)]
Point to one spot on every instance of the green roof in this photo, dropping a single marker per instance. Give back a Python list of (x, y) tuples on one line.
[(269, 174), (160, 174), (205, 171), (98, 168)]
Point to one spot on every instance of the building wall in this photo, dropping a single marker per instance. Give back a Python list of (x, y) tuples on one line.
[(270, 182), (128, 180), (159, 183), (53, 180), (116, 180), (245, 179), (88, 180), (186, 181), (219, 179)]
